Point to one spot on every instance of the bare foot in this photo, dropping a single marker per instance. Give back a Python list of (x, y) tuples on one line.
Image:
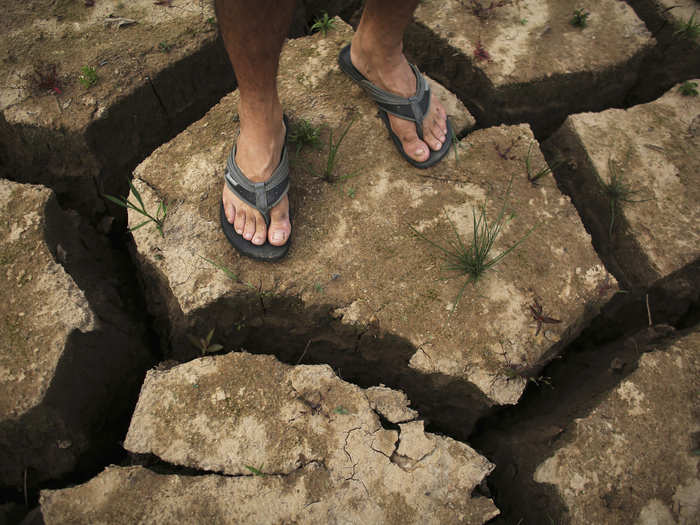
[(393, 74), (258, 153)]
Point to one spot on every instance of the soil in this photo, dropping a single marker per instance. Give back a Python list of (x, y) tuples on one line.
[(355, 303)]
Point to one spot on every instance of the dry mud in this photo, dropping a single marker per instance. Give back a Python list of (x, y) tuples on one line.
[(562, 366)]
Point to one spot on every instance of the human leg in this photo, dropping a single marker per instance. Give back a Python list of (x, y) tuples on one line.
[(377, 52), (253, 32)]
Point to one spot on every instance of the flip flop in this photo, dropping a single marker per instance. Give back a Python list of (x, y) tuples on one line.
[(263, 196), (413, 108)]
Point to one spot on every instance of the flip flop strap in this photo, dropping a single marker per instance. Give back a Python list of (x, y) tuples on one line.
[(263, 196), (412, 108)]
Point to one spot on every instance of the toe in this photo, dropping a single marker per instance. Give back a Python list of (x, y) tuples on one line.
[(412, 145), (433, 136), (280, 226), (249, 228), (239, 220), (260, 231)]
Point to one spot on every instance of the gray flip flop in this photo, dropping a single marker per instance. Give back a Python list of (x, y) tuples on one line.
[(263, 196), (413, 108)]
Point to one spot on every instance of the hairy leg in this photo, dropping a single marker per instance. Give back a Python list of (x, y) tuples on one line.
[(377, 52), (253, 32)]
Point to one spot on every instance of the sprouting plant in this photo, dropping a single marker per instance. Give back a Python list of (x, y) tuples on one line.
[(45, 77), (474, 258), (165, 47), (141, 208), (580, 18), (256, 471), (617, 192), (203, 344), (544, 170), (540, 317), (482, 12), (351, 193), (480, 52), (211, 21), (303, 133), (318, 288), (690, 29), (341, 410), (229, 273), (88, 76), (689, 89), (323, 24), (456, 144), (333, 147)]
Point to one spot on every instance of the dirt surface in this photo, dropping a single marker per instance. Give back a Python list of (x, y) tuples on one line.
[(71, 359), (150, 77), (650, 152), (318, 449), (404, 296), (524, 61), (632, 457)]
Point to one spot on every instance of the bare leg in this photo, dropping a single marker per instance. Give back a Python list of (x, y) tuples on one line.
[(253, 32), (377, 52)]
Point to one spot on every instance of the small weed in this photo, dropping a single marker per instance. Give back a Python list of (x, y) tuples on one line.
[(211, 21), (229, 273), (165, 47), (689, 89), (474, 258), (483, 12), (204, 344), (333, 147), (351, 193), (617, 192), (303, 133), (690, 29), (580, 18), (523, 21), (318, 288), (323, 24), (341, 410), (480, 52), (45, 77), (539, 316), (141, 208), (456, 144), (256, 471), (88, 76), (544, 170)]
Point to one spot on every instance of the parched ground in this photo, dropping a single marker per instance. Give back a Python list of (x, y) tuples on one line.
[(360, 379)]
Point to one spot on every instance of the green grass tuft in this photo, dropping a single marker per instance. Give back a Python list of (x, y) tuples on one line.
[(618, 193), (534, 177), (474, 259), (689, 89), (580, 18), (327, 173), (203, 344), (303, 133), (690, 29), (88, 76), (139, 207), (323, 24)]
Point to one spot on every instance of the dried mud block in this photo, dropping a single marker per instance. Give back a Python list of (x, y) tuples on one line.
[(652, 151), (68, 366), (634, 457), (156, 68), (307, 447), (359, 289), (674, 24), (525, 61)]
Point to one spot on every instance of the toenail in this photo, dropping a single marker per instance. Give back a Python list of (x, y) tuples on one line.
[(278, 236), (420, 151)]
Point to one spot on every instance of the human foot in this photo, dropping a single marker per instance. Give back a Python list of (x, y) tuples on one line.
[(258, 155), (390, 71)]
